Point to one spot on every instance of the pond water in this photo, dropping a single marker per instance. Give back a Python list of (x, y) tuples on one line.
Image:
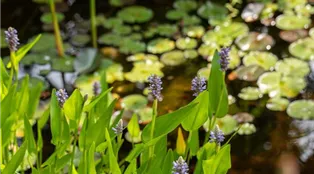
[(273, 148)]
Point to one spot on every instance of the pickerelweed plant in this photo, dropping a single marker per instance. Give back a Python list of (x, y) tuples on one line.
[(87, 138)]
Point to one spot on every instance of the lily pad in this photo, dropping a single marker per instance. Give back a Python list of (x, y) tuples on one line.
[(217, 38), (191, 20), (216, 13), (135, 36), (266, 60), (303, 48), (243, 117), (234, 58), (204, 72), (85, 84), (167, 30), (247, 129), (277, 104), (311, 33), (187, 5), (186, 43), (207, 51), (110, 39), (249, 73), (173, 58), (143, 69), (46, 41), (80, 40), (86, 60), (37, 58), (114, 73), (292, 22), (252, 11), (269, 82), (134, 102), (233, 29), (194, 31), (135, 14), (160, 45), (292, 67), (46, 18), (112, 22), (255, 41), (190, 54), (142, 57), (175, 14), (131, 139), (250, 93), (62, 64), (292, 35), (301, 109), (291, 86), (145, 115), (131, 46), (122, 29), (227, 124)]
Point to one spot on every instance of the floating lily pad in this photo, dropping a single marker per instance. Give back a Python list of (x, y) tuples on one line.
[(80, 40), (122, 29), (37, 58), (194, 31), (252, 11), (269, 83), (207, 51), (141, 57), (143, 69), (62, 64), (114, 73), (131, 46), (186, 43), (234, 58), (134, 102), (160, 45), (227, 124), (292, 67), (292, 22), (303, 48), (247, 129), (204, 72), (190, 54), (214, 12), (175, 14), (250, 93), (231, 99), (301, 109), (135, 36), (131, 139), (167, 30), (255, 41), (266, 60), (86, 60), (46, 41), (110, 39), (145, 115), (217, 38), (150, 32), (249, 73), (191, 20), (291, 86), (277, 104), (243, 117), (187, 5), (173, 58), (292, 35), (290, 4), (112, 22), (233, 29), (47, 18), (135, 14)]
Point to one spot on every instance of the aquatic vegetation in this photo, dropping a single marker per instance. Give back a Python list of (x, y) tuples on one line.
[(173, 58), (301, 109)]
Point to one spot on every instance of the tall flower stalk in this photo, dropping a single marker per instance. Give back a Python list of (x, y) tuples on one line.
[(93, 22), (12, 39), (59, 43)]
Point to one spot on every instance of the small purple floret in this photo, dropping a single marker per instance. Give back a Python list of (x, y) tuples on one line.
[(62, 96), (180, 166), (155, 86), (224, 58), (198, 85), (11, 38), (217, 136)]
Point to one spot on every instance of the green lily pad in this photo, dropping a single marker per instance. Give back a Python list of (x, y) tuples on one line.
[(122, 29), (187, 5), (85, 84), (150, 32), (207, 51), (46, 41), (110, 39), (247, 129), (145, 115), (291, 86), (243, 117), (277, 104), (173, 58), (249, 73), (62, 64), (266, 60), (194, 31), (301, 109), (190, 54), (175, 14), (114, 73), (217, 38), (160, 45), (142, 57), (112, 22), (80, 40), (46, 18), (227, 124), (204, 72), (216, 13), (269, 82), (37, 58), (231, 100), (134, 102), (86, 60), (252, 11), (233, 29), (131, 46), (292, 67), (191, 20), (143, 69), (303, 48), (255, 41), (135, 14), (250, 93), (186, 43), (292, 22), (290, 4), (131, 139), (167, 30), (234, 58), (135, 36)]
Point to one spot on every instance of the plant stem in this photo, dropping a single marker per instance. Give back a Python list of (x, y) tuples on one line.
[(151, 148), (73, 152), (56, 28), (15, 68), (93, 22)]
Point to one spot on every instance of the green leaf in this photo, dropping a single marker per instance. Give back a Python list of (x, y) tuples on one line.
[(55, 118), (91, 161), (131, 168), (73, 106), (34, 95), (206, 152), (113, 164), (8, 128), (23, 97), (43, 119), (218, 98), (135, 152), (167, 164), (96, 100), (8, 106), (16, 160), (199, 116), (167, 123), (221, 162), (5, 79), (63, 161), (133, 126), (193, 142), (29, 136)]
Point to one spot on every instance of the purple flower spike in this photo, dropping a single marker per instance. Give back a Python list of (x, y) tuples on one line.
[(62, 96), (96, 88), (11, 38), (224, 58), (198, 85), (217, 136), (155, 86), (119, 128), (180, 166)]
